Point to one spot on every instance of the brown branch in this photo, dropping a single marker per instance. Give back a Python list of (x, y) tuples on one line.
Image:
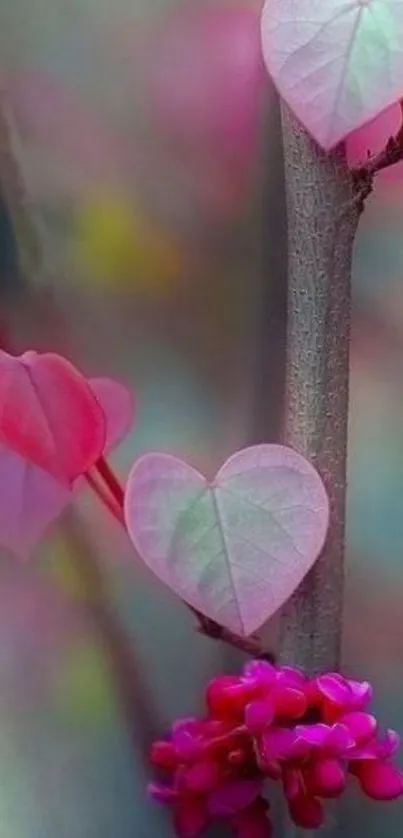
[(248, 645), (364, 175)]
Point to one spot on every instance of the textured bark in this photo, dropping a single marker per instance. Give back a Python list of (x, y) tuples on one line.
[(322, 222), (269, 379)]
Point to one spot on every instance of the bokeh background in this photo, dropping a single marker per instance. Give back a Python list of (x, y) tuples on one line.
[(142, 233)]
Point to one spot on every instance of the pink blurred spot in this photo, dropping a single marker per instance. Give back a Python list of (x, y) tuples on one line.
[(205, 80), (56, 120)]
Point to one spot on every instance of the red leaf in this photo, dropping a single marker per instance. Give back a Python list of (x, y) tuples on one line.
[(49, 415), (31, 498)]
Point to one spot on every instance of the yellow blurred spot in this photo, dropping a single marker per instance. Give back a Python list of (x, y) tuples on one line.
[(63, 568), (84, 691), (118, 246)]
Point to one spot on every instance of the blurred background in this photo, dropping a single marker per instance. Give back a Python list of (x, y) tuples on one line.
[(142, 233)]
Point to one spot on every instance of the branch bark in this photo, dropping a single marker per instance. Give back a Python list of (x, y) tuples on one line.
[(322, 221)]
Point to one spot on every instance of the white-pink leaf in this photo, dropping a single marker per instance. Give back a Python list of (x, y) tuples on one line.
[(338, 63), (234, 548)]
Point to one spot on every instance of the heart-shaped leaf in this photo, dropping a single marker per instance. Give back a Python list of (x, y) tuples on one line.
[(32, 498), (236, 548), (338, 63), (49, 415)]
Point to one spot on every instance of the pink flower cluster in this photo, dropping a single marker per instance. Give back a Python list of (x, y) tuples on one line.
[(273, 725)]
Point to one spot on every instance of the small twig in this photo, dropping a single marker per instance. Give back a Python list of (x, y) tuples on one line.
[(249, 645), (108, 501), (111, 480), (363, 176)]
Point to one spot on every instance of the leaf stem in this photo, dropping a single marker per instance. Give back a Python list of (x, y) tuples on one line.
[(112, 481), (104, 497), (249, 645)]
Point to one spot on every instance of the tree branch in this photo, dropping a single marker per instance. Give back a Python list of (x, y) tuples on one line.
[(322, 221)]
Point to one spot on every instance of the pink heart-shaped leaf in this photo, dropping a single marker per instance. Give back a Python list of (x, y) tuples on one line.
[(338, 64), (234, 548), (34, 498), (49, 415)]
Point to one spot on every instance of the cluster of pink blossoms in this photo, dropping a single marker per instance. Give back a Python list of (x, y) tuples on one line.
[(273, 725)]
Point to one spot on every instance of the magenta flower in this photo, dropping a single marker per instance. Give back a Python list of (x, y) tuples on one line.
[(273, 725)]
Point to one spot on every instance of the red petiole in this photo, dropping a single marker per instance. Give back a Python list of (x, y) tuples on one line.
[(108, 475), (109, 501)]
